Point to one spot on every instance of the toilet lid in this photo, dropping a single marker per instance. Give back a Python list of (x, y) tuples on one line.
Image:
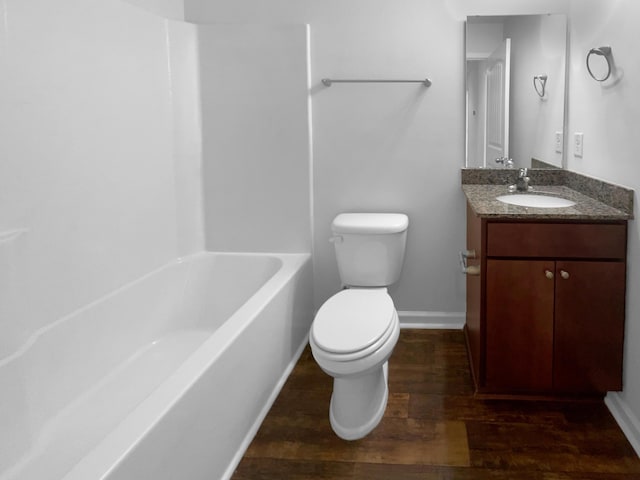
[(353, 320)]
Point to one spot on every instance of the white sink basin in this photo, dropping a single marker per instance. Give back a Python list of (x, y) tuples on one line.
[(537, 201)]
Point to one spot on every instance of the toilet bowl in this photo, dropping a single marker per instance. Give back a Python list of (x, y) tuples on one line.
[(355, 331), (351, 338)]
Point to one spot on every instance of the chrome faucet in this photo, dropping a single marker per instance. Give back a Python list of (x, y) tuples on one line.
[(522, 182)]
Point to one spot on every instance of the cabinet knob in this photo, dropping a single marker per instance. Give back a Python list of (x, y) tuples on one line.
[(564, 274), (548, 274)]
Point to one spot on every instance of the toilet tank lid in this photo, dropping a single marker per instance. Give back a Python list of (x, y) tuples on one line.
[(373, 223)]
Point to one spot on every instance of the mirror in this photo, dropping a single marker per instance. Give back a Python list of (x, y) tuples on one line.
[(515, 91)]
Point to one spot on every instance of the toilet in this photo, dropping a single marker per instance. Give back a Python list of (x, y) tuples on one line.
[(354, 332)]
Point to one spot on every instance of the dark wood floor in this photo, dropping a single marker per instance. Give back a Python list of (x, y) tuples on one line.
[(434, 429)]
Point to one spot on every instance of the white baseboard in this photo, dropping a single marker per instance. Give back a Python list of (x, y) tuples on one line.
[(432, 320), (629, 423)]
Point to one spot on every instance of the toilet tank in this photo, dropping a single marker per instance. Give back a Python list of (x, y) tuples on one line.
[(369, 247)]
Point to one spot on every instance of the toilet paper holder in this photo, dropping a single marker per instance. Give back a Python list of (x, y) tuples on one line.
[(468, 269)]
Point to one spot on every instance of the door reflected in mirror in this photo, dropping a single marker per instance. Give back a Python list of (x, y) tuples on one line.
[(511, 120)]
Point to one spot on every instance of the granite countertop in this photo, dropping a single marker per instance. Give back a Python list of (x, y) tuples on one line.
[(482, 199)]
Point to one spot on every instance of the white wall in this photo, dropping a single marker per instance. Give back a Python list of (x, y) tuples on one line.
[(382, 147), (609, 116), (386, 147), (482, 38), (173, 9), (255, 137), (463, 8), (184, 66), (86, 156)]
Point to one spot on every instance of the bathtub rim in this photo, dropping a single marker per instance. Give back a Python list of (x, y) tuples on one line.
[(108, 454)]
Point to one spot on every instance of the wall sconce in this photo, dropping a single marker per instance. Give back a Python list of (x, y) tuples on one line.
[(540, 84), (604, 52)]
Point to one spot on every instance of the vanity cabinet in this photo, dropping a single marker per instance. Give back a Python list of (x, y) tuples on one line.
[(545, 307)]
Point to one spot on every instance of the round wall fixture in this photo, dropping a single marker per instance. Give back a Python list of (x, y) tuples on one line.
[(602, 70)]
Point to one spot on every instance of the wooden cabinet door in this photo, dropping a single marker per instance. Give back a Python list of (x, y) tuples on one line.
[(589, 326), (519, 325)]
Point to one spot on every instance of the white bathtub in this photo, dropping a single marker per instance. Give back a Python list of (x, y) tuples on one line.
[(167, 378)]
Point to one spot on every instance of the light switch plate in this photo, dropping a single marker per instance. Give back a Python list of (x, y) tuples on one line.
[(578, 144), (558, 139)]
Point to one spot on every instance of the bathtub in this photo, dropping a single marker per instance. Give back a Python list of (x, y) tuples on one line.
[(167, 378)]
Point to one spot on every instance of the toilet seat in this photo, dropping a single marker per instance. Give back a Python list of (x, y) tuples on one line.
[(353, 324)]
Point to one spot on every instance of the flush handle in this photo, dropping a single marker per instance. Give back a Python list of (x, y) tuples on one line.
[(336, 239)]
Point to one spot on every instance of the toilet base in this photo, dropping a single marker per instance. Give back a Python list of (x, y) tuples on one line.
[(358, 403)]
